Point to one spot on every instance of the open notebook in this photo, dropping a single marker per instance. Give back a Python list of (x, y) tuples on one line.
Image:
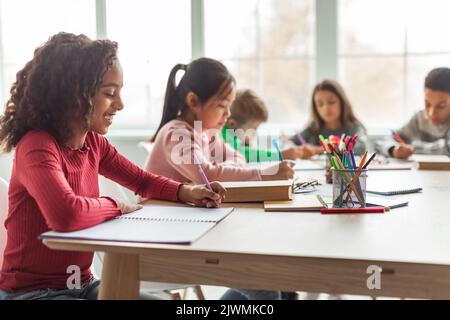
[(158, 224)]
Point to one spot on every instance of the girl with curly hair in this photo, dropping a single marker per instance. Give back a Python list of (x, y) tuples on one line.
[(62, 102)]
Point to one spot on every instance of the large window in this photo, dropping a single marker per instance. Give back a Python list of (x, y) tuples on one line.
[(26, 24), (153, 36), (269, 47), (386, 49)]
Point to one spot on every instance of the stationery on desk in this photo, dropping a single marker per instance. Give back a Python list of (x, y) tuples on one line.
[(374, 209), (257, 191), (372, 201), (387, 203), (152, 224), (312, 203), (385, 192), (431, 162)]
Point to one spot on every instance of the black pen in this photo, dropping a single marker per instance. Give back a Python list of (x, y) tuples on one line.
[(368, 161)]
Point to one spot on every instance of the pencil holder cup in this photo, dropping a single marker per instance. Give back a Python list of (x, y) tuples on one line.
[(328, 173), (349, 188)]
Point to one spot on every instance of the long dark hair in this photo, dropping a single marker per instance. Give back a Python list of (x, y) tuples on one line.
[(347, 117), (205, 77), (56, 86)]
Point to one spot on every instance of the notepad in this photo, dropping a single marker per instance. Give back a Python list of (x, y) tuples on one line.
[(152, 224), (299, 203), (431, 162), (257, 191), (394, 192)]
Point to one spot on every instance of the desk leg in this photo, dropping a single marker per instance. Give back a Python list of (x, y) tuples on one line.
[(120, 277)]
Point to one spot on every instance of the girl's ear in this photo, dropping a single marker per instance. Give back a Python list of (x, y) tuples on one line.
[(192, 100)]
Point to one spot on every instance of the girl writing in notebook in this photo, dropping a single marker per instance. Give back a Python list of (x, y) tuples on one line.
[(428, 131), (195, 111), (62, 102), (332, 114)]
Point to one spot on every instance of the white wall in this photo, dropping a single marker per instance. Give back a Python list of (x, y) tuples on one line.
[(5, 165)]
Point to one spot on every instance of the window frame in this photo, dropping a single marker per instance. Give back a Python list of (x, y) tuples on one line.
[(326, 56)]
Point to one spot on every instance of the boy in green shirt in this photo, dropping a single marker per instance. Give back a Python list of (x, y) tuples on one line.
[(247, 112)]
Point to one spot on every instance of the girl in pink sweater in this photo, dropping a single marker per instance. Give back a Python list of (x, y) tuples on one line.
[(194, 114)]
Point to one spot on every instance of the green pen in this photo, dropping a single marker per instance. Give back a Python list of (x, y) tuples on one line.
[(333, 162), (321, 137)]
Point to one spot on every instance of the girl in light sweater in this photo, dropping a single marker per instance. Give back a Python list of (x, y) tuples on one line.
[(194, 113)]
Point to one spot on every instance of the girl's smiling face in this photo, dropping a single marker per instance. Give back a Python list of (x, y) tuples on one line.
[(107, 101)]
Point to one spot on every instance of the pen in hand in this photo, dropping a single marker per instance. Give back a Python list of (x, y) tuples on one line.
[(203, 176), (275, 144)]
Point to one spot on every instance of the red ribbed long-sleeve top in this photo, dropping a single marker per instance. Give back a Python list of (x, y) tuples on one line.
[(53, 187)]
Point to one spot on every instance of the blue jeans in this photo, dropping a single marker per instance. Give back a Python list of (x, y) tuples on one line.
[(88, 291), (248, 294)]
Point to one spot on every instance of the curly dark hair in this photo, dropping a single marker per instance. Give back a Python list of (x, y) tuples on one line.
[(56, 86)]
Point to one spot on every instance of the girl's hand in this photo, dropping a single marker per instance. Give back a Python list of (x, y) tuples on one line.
[(291, 153), (306, 151), (315, 149), (279, 171), (201, 196), (126, 207), (403, 151), (300, 152)]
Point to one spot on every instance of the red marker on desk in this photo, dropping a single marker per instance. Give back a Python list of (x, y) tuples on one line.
[(375, 209)]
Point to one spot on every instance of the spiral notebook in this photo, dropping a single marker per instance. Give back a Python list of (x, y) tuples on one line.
[(395, 192), (152, 224)]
